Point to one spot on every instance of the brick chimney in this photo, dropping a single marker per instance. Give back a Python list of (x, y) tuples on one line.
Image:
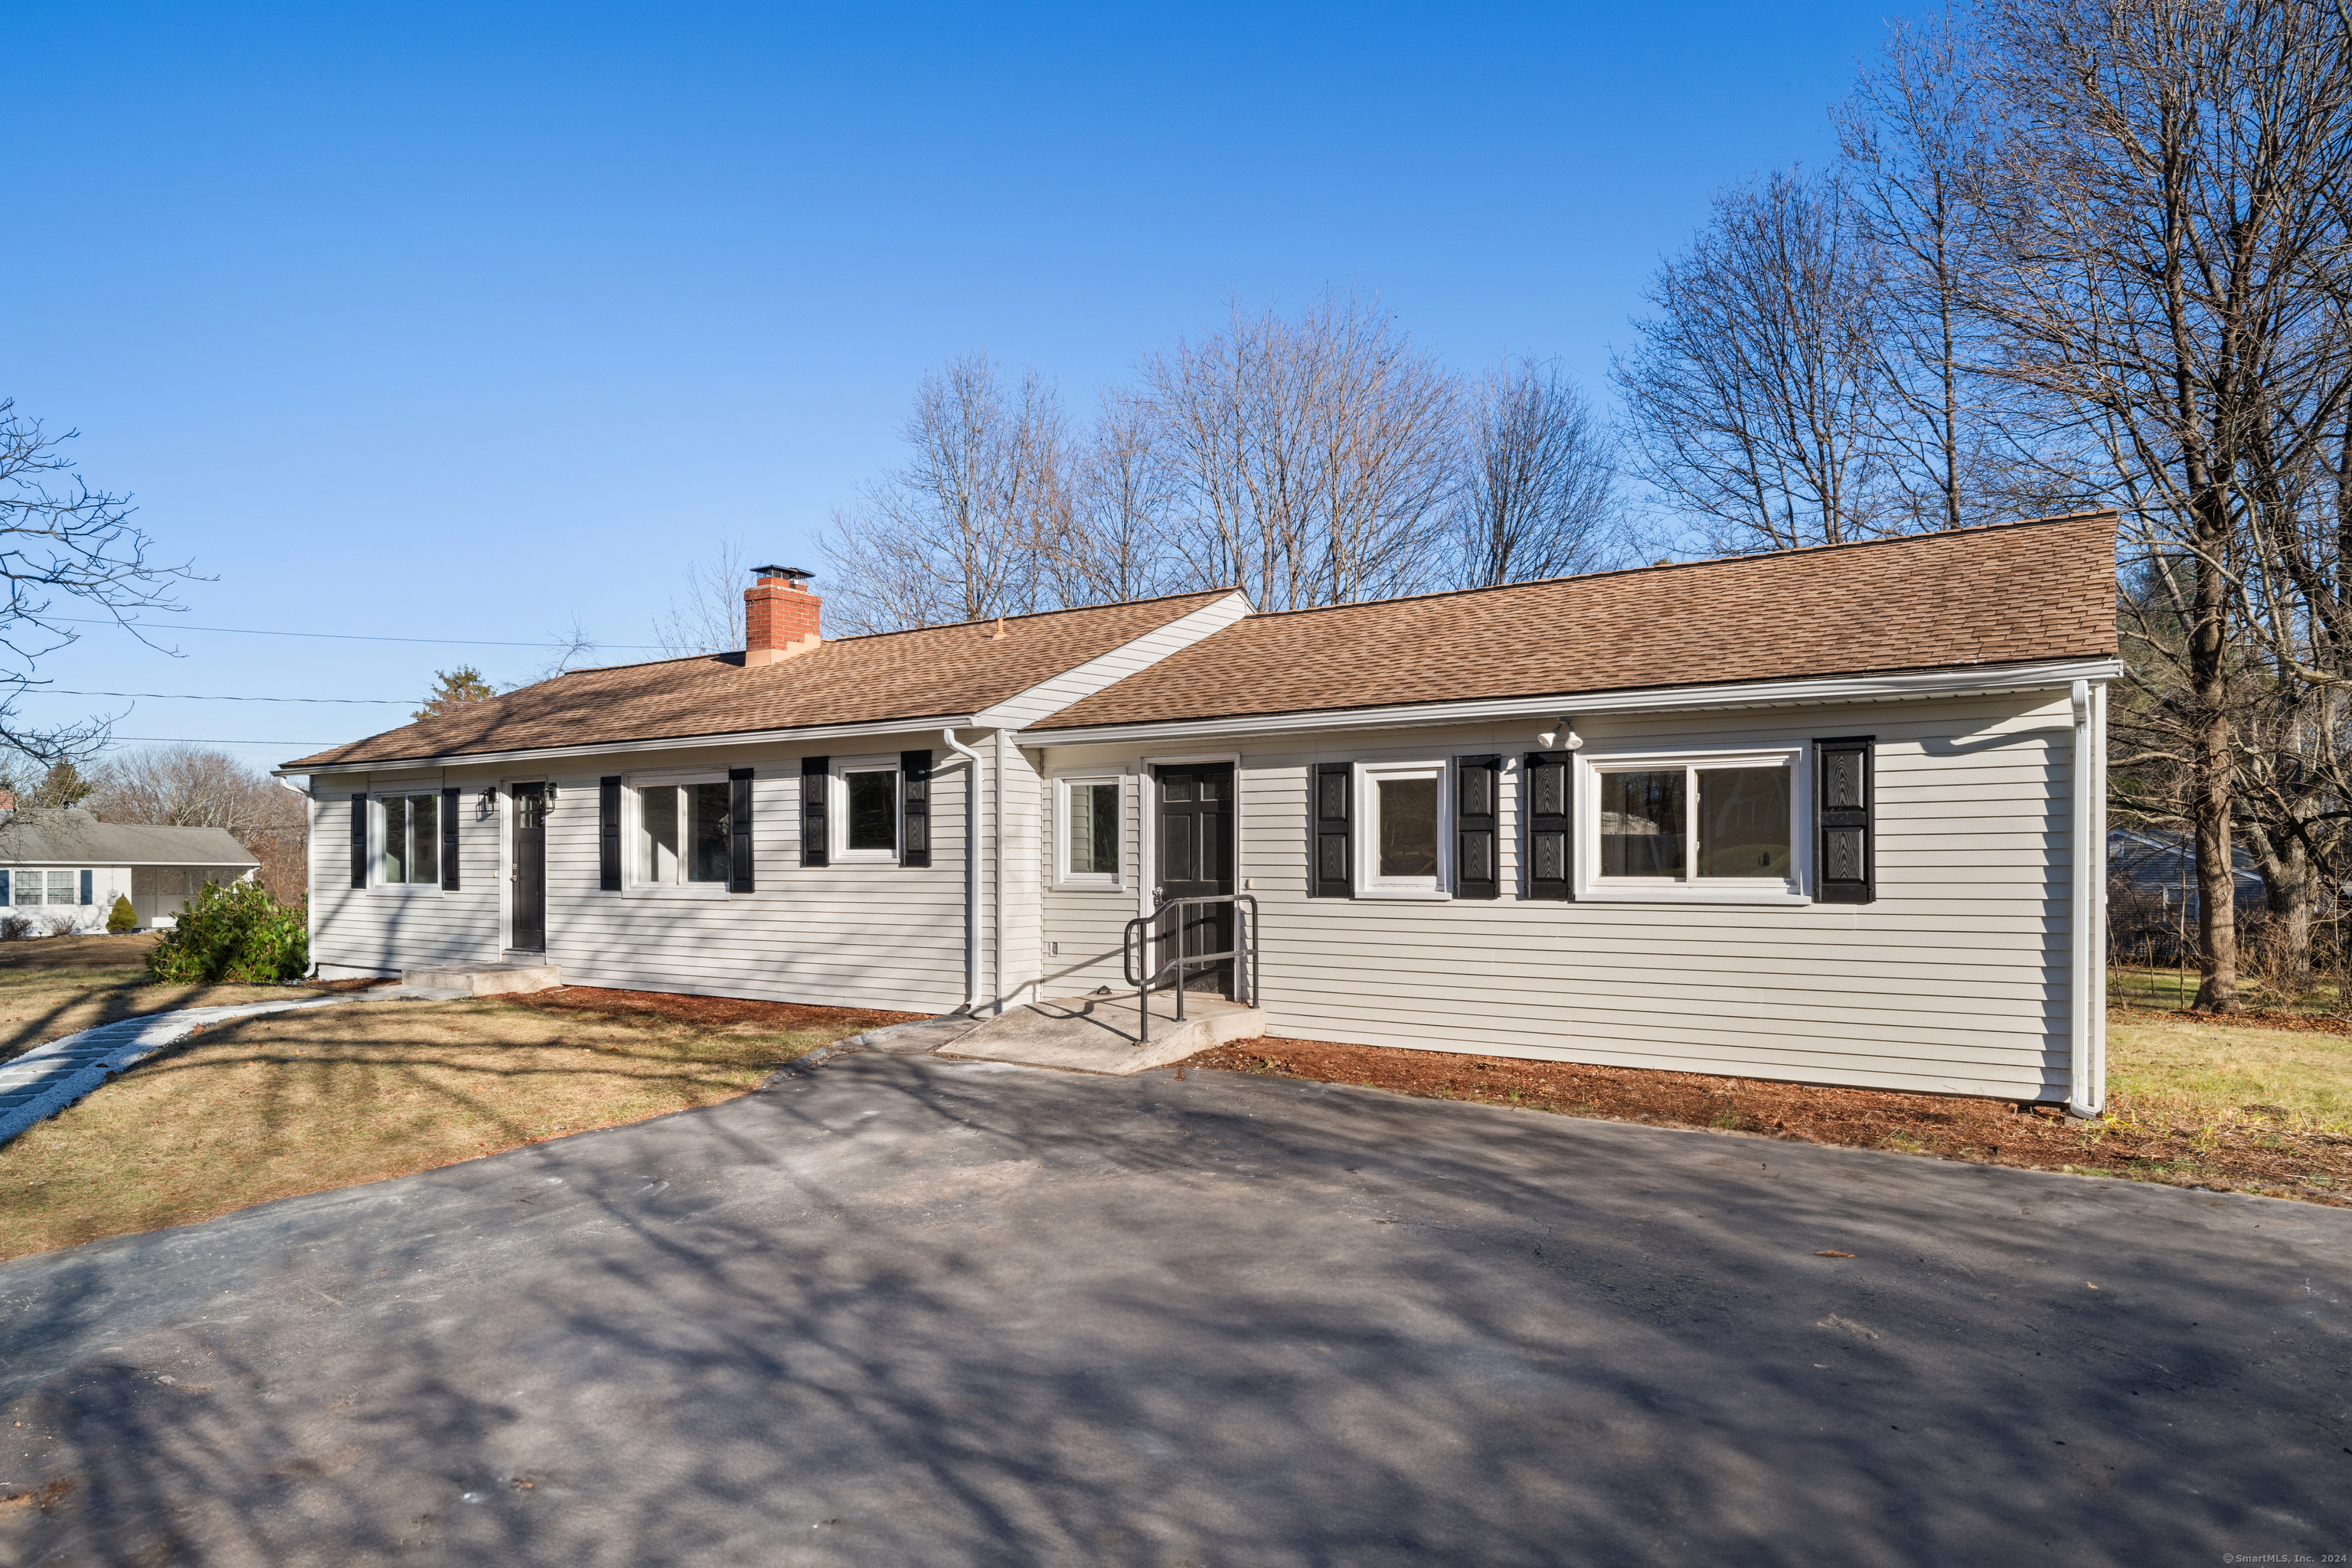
[(780, 615)]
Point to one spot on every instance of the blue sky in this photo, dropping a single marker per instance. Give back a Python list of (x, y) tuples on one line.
[(439, 322)]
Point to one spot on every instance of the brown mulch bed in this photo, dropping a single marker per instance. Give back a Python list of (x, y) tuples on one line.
[(2274, 1161), (706, 1012)]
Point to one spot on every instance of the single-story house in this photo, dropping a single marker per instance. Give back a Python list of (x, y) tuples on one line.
[(63, 870), (1830, 816)]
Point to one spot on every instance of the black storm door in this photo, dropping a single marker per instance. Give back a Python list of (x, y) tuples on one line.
[(530, 868), (1195, 838)]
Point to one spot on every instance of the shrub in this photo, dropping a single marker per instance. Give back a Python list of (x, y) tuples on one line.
[(123, 918), (235, 932), (14, 928)]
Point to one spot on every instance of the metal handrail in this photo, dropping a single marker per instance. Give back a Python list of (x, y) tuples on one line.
[(1243, 953)]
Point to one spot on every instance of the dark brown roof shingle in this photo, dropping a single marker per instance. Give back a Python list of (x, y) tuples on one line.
[(927, 673), (2017, 593)]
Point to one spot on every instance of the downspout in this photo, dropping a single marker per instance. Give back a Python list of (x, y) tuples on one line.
[(2084, 1097), (309, 904), (996, 908), (970, 872)]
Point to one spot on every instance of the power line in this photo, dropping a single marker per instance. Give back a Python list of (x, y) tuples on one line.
[(196, 697), (355, 636), (214, 740)]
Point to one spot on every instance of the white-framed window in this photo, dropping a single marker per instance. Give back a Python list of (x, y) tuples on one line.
[(1401, 811), (863, 820), (674, 832), (1715, 826), (1090, 829), (408, 839), (27, 888)]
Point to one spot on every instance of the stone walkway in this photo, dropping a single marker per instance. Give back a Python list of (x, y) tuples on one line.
[(47, 1079)]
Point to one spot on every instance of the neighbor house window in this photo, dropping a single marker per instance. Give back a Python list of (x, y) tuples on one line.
[(1400, 829), (865, 810), (1089, 829), (1714, 824), (410, 849), (682, 834), (27, 888)]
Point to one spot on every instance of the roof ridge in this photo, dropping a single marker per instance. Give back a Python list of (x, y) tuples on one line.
[(1897, 539)]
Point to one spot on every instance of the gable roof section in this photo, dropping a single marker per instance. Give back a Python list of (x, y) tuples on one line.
[(931, 672), (76, 837), (2016, 593)]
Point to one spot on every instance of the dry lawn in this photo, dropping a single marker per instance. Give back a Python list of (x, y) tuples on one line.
[(57, 985), (267, 1108)]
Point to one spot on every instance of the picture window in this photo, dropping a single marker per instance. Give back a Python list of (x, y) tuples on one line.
[(681, 833), (409, 850), (1720, 824)]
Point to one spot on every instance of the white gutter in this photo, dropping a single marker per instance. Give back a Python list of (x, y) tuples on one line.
[(970, 872), (2086, 1066), (2055, 676), (605, 748)]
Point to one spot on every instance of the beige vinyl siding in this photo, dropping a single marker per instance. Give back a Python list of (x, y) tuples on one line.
[(860, 935), (1956, 980)]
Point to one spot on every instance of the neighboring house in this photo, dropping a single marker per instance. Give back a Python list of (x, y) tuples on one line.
[(1815, 815), (2160, 866), (63, 870)]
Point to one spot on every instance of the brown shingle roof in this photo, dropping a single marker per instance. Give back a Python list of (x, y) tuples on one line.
[(2013, 594), (927, 673)]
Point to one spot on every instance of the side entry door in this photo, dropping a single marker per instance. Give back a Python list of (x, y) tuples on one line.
[(1194, 833), (530, 873)]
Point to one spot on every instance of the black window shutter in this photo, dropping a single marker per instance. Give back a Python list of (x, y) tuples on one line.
[(1845, 802), (739, 830), (814, 771), (608, 833), (915, 798), (1551, 852), (449, 841), (1476, 867), (359, 840), (1329, 851)]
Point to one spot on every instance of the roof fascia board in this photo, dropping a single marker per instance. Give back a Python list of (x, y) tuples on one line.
[(1677, 699), (1137, 654), (609, 748)]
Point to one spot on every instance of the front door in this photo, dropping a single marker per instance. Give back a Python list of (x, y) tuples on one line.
[(530, 868), (1195, 834)]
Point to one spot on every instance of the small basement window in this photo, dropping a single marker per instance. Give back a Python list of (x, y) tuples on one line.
[(680, 838), (1090, 829), (408, 843), (1713, 826), (1401, 830)]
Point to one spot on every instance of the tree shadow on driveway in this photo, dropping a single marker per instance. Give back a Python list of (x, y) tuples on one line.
[(901, 1311)]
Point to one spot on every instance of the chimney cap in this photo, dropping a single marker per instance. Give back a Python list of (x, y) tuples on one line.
[(793, 572)]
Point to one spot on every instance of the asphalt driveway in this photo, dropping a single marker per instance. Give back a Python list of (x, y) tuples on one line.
[(899, 1311)]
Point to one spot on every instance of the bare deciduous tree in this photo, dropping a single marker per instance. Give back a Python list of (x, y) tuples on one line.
[(1534, 499), (2169, 190), (709, 619), (1310, 457), (60, 539), (1117, 544), (1754, 392), (971, 526)]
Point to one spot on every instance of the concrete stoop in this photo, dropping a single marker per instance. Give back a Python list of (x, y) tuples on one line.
[(481, 979), (1100, 1034)]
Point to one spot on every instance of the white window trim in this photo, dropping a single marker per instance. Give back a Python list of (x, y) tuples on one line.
[(1773, 891), (836, 810), (1065, 879), (1369, 884), (632, 824), (377, 886)]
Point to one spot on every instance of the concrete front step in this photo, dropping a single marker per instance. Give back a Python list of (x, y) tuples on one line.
[(481, 979), (1102, 1034)]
